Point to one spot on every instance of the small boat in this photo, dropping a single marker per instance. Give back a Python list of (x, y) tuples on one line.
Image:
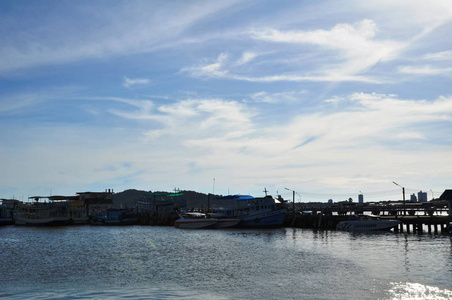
[(114, 216), (367, 223), (195, 220)]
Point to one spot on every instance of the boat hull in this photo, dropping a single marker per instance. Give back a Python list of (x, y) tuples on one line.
[(98, 221), (271, 219), (227, 223), (195, 224), (6, 221), (54, 221), (368, 225)]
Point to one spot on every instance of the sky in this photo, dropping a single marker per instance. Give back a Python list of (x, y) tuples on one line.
[(325, 98)]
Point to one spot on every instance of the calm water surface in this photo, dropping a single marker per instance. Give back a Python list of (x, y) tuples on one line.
[(167, 263)]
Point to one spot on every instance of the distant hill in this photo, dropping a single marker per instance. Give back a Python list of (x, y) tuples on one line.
[(128, 198)]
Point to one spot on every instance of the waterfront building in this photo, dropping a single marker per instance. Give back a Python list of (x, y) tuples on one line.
[(361, 198), (97, 201)]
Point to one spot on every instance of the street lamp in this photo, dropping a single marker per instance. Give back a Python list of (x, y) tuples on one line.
[(293, 199), (403, 191)]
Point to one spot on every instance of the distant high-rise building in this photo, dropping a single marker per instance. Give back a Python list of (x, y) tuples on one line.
[(422, 196), (413, 198), (360, 198), (330, 201)]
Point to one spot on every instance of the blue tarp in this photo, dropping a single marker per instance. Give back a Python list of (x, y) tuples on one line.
[(237, 197)]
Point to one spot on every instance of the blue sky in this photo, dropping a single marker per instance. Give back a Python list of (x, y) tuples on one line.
[(327, 98)]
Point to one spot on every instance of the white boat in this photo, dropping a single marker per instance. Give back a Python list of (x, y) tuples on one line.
[(367, 223), (194, 220)]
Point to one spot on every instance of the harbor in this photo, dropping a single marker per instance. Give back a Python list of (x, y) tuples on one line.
[(213, 211), (166, 246)]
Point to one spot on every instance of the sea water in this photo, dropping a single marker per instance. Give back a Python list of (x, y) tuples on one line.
[(144, 262)]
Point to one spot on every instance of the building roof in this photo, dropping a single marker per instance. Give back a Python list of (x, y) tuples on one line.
[(446, 195)]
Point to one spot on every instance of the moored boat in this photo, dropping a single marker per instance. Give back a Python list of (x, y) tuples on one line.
[(253, 212), (52, 213), (367, 223), (195, 220)]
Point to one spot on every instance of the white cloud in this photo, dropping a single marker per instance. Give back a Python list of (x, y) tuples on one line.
[(443, 55), (359, 50), (283, 97), (347, 51), (211, 70), (424, 70), (220, 69), (359, 146), (128, 82), (246, 58)]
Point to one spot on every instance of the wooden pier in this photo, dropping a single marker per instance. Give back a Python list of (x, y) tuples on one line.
[(410, 224), (432, 216)]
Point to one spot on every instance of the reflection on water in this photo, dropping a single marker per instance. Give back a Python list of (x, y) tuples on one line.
[(407, 290), (168, 263)]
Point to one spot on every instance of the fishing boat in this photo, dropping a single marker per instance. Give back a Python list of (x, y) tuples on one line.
[(367, 223), (114, 216), (195, 220), (252, 212), (47, 213)]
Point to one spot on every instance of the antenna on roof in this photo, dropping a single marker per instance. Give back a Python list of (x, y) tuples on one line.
[(265, 191)]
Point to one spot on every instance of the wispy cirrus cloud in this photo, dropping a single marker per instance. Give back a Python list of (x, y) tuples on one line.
[(282, 97), (348, 50), (443, 55), (357, 46), (246, 58), (130, 82), (424, 70), (49, 43), (224, 68)]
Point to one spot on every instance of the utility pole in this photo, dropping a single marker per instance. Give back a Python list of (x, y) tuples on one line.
[(293, 199), (403, 191)]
